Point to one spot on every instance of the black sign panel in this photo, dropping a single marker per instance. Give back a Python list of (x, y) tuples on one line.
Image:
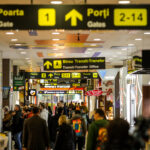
[(60, 92), (62, 75), (74, 63), (45, 17)]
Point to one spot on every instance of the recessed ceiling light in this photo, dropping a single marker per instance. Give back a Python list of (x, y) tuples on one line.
[(55, 49), (97, 39), (27, 58), (109, 58), (20, 49), (56, 2), (130, 44), (55, 39), (138, 39), (146, 32), (124, 49), (9, 33), (14, 40), (18, 44), (93, 44), (23, 53), (87, 52), (55, 33), (89, 49), (124, 2)]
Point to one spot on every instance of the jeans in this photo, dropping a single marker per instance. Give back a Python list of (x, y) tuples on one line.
[(17, 138), (81, 142)]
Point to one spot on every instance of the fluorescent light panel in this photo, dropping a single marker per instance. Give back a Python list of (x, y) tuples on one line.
[(56, 2), (14, 40), (9, 33), (124, 2)]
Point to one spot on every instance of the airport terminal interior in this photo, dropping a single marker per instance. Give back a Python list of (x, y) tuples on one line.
[(78, 55)]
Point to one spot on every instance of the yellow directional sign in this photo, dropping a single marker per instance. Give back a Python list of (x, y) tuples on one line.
[(47, 17), (48, 64), (57, 64), (50, 75), (76, 75), (74, 15), (95, 75)]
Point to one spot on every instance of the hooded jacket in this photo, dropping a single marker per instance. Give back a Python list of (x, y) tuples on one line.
[(93, 133)]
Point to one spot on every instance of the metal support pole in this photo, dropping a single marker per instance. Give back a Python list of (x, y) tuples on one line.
[(31, 2)]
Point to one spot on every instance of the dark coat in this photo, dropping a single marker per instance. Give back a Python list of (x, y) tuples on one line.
[(65, 139), (35, 134), (17, 123)]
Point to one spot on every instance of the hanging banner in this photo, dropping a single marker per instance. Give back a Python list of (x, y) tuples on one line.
[(18, 83), (70, 17), (94, 93)]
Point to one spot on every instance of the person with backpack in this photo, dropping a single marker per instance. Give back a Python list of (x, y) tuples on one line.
[(97, 133), (79, 126)]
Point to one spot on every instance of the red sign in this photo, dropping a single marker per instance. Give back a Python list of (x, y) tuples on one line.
[(94, 93)]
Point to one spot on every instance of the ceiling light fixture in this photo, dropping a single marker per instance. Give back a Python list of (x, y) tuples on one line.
[(124, 49), (55, 39), (55, 33), (22, 53), (55, 44), (93, 44), (27, 58), (56, 2), (18, 44), (97, 39), (55, 49), (9, 33), (147, 33), (130, 44), (89, 49), (14, 40), (124, 2), (138, 39)]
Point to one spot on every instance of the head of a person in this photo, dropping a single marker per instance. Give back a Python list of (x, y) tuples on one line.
[(82, 104), (118, 130), (60, 111), (61, 104), (62, 120), (99, 114), (35, 110), (42, 106), (6, 109), (17, 108)]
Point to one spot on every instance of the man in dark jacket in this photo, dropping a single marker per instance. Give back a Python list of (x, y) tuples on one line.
[(35, 132), (17, 125), (97, 131), (79, 126)]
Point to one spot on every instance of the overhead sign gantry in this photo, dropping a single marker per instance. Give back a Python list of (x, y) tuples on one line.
[(71, 17)]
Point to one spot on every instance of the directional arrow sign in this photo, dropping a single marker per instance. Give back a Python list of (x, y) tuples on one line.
[(73, 15), (48, 64)]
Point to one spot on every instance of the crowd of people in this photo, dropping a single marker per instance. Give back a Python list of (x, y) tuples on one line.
[(69, 128)]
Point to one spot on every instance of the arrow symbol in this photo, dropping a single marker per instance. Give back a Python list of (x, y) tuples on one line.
[(48, 64), (50, 75), (74, 15)]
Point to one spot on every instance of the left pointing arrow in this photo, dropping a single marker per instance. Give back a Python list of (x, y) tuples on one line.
[(48, 64)]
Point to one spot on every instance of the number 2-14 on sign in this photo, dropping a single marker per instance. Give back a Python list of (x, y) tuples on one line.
[(46, 17), (130, 17)]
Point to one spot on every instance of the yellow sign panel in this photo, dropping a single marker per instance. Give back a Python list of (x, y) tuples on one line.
[(130, 17), (48, 64), (95, 75), (43, 75), (47, 17), (74, 15), (57, 64), (76, 75), (65, 75)]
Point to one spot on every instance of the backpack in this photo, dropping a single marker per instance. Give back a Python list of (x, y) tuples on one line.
[(77, 127), (101, 138)]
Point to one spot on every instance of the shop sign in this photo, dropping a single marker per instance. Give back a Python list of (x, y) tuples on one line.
[(18, 83), (60, 92), (62, 75), (74, 64), (32, 92), (85, 17), (94, 93)]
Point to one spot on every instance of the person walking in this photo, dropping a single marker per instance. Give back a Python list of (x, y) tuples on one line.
[(79, 126), (17, 126), (44, 112), (97, 131), (35, 132), (65, 139)]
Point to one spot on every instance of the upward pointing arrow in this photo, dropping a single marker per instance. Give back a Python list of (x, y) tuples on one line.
[(73, 15), (47, 64)]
